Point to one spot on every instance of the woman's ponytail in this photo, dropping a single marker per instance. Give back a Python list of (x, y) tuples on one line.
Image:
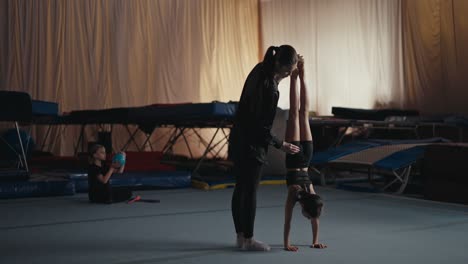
[(269, 58)]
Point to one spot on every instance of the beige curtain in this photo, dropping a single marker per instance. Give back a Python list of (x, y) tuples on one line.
[(436, 58), (118, 53), (352, 49)]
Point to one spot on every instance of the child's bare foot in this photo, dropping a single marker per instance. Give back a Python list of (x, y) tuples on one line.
[(291, 248), (251, 244)]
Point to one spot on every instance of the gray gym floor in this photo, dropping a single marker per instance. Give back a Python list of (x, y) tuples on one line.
[(193, 226)]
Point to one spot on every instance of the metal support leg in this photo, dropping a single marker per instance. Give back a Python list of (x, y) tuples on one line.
[(23, 154), (205, 153)]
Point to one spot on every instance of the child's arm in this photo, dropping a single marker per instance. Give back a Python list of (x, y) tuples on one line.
[(315, 234), (105, 178), (315, 227), (290, 202)]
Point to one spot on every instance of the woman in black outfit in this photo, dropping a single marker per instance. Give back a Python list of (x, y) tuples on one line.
[(251, 136)]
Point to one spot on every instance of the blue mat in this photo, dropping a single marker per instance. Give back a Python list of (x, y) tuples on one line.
[(227, 181), (370, 114), (340, 151), (401, 159), (461, 121), (23, 189), (394, 161), (44, 108), (155, 114), (160, 179), (15, 106), (198, 111), (63, 183)]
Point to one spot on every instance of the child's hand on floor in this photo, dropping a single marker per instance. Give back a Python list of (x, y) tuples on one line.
[(320, 246), (291, 248)]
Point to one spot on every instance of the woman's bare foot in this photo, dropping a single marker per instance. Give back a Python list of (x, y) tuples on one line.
[(251, 244)]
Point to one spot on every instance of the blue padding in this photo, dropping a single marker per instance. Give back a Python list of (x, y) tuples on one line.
[(356, 146), (160, 179), (200, 111), (401, 159), (370, 114), (225, 109), (81, 185), (408, 141), (229, 179), (15, 106), (461, 121), (219, 180), (13, 175), (125, 180), (44, 108), (155, 114), (181, 113), (340, 151), (36, 189)]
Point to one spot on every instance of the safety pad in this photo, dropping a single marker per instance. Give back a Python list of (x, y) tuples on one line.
[(44, 108), (15, 106), (340, 151), (227, 181), (23, 189), (13, 175), (363, 145), (143, 180), (370, 114), (401, 158), (157, 114)]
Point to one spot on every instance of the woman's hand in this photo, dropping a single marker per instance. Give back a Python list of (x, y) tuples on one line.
[(290, 148)]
